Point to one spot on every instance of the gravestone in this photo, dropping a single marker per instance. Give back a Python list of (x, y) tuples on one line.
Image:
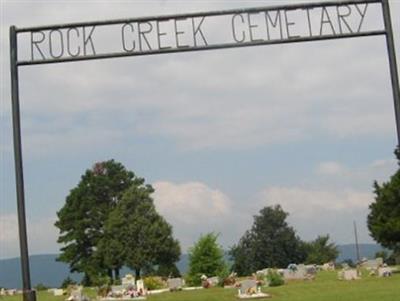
[(248, 287), (385, 272), (76, 295), (347, 275), (263, 272), (58, 292), (127, 280), (372, 264), (117, 289), (213, 281), (140, 287), (175, 284), (329, 266), (311, 269), (296, 272)]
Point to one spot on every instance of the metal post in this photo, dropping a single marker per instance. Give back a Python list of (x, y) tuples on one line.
[(392, 64), (28, 293), (357, 245)]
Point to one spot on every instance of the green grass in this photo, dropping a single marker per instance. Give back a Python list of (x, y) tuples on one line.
[(324, 288)]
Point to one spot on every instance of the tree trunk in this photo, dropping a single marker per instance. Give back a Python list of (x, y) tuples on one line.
[(110, 274), (86, 281), (137, 273), (116, 273)]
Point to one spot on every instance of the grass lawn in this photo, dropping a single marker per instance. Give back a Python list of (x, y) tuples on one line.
[(324, 288)]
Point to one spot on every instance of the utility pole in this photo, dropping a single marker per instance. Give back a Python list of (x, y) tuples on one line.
[(357, 246)]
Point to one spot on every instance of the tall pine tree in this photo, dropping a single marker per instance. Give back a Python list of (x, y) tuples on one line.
[(81, 220), (271, 242)]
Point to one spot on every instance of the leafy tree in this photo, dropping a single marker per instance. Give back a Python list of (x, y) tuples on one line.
[(111, 249), (393, 259), (382, 254), (81, 220), (40, 287), (349, 262), (269, 243), (384, 216), (205, 257), (320, 251), (142, 236), (67, 282), (168, 270)]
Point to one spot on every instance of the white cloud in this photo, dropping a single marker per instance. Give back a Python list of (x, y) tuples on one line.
[(309, 202), (193, 208), (337, 174), (318, 212), (191, 203), (330, 168)]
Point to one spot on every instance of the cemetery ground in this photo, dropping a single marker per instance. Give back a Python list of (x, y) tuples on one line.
[(326, 287)]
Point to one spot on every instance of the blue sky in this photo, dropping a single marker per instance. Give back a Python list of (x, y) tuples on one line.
[(219, 134)]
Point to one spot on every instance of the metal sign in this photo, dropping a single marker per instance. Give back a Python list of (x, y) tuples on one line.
[(182, 33), (198, 31)]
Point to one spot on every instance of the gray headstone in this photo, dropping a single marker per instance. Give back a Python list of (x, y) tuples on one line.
[(175, 283), (247, 285), (213, 280), (117, 288)]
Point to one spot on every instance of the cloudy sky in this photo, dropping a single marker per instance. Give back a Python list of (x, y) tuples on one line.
[(219, 134)]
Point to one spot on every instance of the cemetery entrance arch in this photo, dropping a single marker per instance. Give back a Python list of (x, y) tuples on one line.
[(304, 22)]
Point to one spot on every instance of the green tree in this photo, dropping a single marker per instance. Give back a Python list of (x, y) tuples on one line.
[(384, 216), (205, 257), (382, 254), (143, 238), (81, 220), (40, 287), (320, 251), (269, 243), (67, 282), (168, 270)]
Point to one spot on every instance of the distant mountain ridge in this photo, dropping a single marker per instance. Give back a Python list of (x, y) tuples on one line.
[(46, 270)]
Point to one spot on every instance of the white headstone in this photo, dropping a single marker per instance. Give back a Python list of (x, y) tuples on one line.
[(58, 292), (385, 272), (372, 263), (213, 281), (140, 287), (348, 275), (128, 279)]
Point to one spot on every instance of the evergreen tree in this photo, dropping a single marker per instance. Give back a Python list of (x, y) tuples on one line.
[(269, 243), (320, 251), (81, 220), (384, 216), (143, 237), (205, 257)]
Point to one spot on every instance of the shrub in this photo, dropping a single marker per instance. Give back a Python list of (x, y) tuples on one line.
[(41, 287), (67, 282), (153, 283), (223, 276), (193, 280), (274, 278), (103, 290), (205, 257)]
